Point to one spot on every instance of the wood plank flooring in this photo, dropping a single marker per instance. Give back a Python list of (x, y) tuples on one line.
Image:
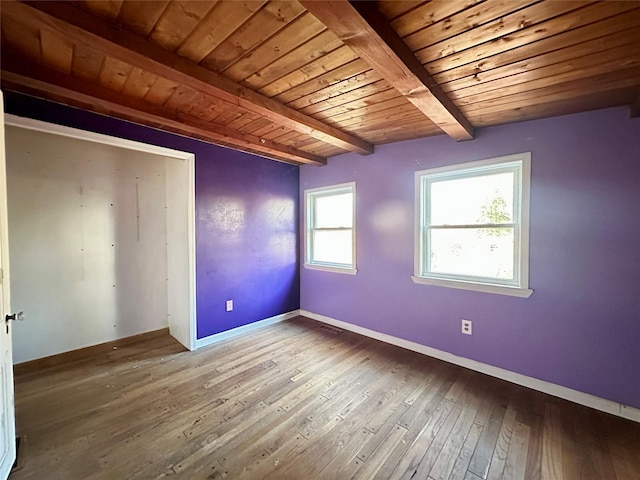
[(297, 401)]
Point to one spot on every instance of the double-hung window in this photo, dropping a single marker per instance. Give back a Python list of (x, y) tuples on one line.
[(330, 228), (472, 226)]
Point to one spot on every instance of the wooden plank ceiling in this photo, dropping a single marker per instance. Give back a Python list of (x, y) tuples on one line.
[(301, 81)]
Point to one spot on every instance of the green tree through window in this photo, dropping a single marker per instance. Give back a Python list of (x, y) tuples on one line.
[(495, 211)]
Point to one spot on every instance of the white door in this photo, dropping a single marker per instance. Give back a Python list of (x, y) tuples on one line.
[(7, 417)]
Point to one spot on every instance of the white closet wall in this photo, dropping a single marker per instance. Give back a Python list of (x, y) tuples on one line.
[(88, 242)]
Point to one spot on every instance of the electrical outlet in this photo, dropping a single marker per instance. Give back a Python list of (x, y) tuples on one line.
[(229, 305), (466, 327)]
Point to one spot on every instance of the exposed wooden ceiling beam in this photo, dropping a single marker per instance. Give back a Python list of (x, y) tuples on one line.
[(77, 25), (41, 82), (363, 28)]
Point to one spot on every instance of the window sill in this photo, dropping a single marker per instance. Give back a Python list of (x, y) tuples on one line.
[(326, 268), (477, 287)]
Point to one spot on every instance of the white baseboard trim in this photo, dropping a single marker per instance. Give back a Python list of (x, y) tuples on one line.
[(607, 406), (234, 332)]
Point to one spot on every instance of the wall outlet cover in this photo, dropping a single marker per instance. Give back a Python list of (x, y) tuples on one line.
[(466, 327)]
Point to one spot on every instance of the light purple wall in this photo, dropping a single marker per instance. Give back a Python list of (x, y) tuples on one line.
[(581, 326), (246, 219)]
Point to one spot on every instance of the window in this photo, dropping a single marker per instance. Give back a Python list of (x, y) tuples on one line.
[(472, 226), (330, 232)]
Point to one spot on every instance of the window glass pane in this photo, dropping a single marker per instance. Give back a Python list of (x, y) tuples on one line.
[(333, 246), (469, 201), (476, 252), (333, 211)]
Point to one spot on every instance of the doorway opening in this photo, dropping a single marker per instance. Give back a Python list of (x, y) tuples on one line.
[(102, 241)]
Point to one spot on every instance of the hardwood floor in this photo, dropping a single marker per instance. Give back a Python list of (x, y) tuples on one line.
[(297, 401)]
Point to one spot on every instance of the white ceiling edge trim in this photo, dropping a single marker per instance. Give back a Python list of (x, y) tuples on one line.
[(46, 127)]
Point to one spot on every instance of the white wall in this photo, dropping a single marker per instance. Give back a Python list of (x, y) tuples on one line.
[(88, 242), (180, 282)]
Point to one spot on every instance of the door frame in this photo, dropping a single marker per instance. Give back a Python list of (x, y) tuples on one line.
[(180, 181), (8, 455)]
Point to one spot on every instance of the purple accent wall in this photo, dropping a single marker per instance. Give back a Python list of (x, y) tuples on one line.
[(246, 219), (581, 326)]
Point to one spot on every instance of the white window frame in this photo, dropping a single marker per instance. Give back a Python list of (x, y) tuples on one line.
[(309, 196), (519, 287)]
